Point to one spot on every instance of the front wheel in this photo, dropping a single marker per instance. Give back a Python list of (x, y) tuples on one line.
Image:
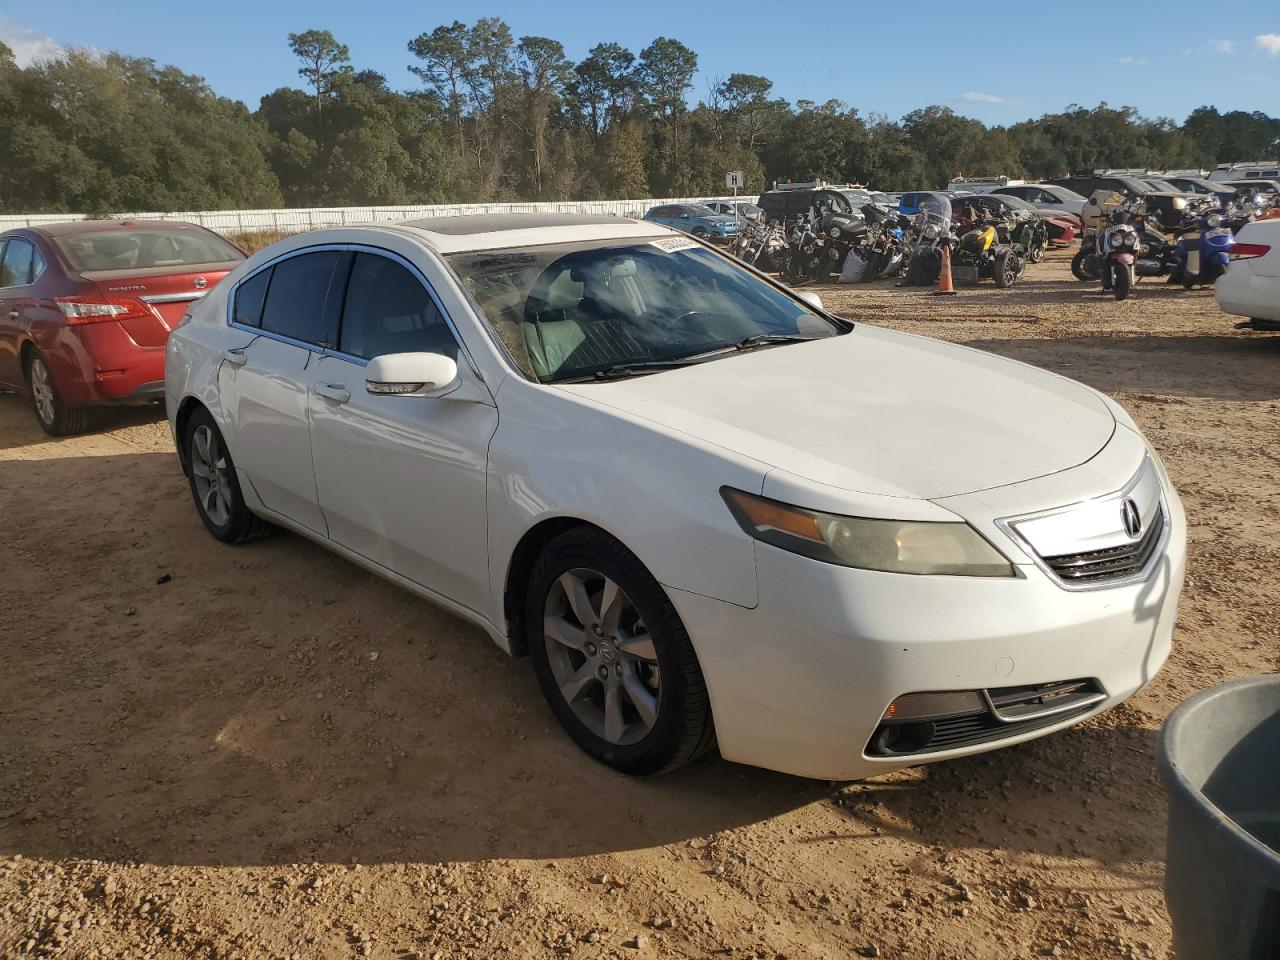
[(1121, 280), (612, 657), (214, 485), (1005, 269)]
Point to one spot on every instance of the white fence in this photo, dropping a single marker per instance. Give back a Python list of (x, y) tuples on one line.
[(292, 221)]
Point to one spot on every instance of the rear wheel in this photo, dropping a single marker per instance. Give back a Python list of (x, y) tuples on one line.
[(56, 418), (214, 485), (612, 657), (700, 233), (1080, 266)]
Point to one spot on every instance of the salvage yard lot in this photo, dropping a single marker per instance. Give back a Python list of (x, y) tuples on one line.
[(273, 753)]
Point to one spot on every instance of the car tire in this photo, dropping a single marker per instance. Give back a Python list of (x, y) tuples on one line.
[(606, 643), (699, 232), (214, 484), (55, 417)]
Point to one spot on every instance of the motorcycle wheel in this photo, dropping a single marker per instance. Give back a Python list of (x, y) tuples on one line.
[(1078, 268), (1121, 280), (1036, 254), (1005, 269)]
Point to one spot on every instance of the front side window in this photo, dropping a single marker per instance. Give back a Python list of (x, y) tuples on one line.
[(582, 310), (16, 266), (388, 310), (297, 294)]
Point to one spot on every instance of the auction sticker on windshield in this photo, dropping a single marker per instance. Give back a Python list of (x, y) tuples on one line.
[(673, 244)]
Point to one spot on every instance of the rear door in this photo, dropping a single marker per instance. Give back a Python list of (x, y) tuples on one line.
[(288, 314), (20, 264), (402, 479)]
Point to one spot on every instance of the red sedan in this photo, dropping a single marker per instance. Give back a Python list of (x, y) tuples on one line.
[(86, 308)]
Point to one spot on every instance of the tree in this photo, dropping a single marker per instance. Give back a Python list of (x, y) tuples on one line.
[(666, 74), (446, 58), (325, 61), (544, 69)]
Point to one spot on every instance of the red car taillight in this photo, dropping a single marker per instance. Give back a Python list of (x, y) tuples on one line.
[(1247, 251), (79, 310)]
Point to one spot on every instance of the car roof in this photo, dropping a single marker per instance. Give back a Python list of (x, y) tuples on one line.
[(489, 231)]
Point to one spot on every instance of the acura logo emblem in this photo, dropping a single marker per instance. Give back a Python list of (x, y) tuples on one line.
[(200, 283), (1131, 518)]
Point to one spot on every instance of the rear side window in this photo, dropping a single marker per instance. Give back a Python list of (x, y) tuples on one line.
[(16, 267), (388, 310), (250, 296), (297, 294)]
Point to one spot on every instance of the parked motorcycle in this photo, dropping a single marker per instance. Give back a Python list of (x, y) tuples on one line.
[(933, 231), (805, 254), (1203, 250), (983, 254), (1120, 244)]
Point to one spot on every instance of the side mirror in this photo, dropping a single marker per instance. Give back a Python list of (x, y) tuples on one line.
[(411, 375), (811, 298)]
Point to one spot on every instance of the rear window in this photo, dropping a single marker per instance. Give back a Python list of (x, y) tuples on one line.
[(141, 248)]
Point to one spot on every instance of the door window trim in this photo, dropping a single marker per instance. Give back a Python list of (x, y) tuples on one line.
[(326, 351), (35, 250)]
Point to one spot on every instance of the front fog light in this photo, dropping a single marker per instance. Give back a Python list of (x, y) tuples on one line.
[(934, 706)]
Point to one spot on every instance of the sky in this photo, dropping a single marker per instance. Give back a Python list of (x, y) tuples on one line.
[(886, 58)]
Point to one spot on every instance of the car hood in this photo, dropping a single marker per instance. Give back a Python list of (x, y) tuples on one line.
[(876, 412)]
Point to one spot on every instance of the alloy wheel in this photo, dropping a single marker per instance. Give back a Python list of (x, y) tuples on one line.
[(42, 390), (212, 479), (602, 656)]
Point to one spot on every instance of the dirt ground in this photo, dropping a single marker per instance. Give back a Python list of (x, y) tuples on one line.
[(273, 754)]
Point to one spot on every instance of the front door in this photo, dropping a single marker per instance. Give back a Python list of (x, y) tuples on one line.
[(401, 480), (285, 314)]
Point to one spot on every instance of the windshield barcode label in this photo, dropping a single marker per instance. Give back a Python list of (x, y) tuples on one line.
[(672, 244)]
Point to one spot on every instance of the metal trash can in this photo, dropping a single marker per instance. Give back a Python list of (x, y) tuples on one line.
[(1219, 755)]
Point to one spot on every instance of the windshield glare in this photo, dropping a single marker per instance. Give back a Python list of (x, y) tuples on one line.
[(698, 210), (571, 311)]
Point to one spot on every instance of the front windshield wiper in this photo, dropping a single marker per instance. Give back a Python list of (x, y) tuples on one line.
[(619, 370), (761, 339)]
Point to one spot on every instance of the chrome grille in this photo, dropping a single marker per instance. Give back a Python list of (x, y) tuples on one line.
[(1113, 563)]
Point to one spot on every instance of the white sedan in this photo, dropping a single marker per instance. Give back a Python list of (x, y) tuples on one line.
[(1251, 286), (708, 511)]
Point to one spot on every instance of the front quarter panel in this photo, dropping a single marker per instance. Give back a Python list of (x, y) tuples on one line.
[(556, 454)]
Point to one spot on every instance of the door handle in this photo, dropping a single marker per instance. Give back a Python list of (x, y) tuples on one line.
[(14, 314), (237, 357), (336, 392)]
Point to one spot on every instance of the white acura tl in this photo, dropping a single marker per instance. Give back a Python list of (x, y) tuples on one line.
[(708, 511)]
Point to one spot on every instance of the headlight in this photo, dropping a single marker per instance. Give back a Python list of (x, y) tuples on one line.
[(893, 546), (1130, 239), (1215, 220), (834, 233), (931, 230)]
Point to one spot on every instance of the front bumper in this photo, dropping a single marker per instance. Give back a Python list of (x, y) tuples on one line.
[(800, 683)]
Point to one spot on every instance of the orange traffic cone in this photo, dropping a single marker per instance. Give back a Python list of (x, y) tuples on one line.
[(944, 275)]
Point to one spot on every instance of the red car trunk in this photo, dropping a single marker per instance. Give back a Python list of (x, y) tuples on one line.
[(166, 294)]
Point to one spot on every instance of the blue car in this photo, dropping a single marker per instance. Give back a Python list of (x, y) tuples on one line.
[(909, 203), (696, 219)]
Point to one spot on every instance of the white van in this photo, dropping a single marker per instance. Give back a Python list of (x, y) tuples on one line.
[(1258, 170)]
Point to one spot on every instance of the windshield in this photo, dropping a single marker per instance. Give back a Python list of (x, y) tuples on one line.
[(130, 249), (749, 210), (572, 311)]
